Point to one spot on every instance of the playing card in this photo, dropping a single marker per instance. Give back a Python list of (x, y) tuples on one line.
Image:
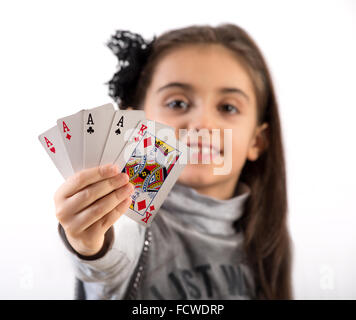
[(97, 122), (123, 122), (153, 158), (71, 130), (51, 140)]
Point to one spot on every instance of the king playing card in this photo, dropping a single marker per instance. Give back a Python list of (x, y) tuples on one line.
[(153, 159)]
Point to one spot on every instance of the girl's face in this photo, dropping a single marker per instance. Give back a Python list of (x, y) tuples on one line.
[(205, 87)]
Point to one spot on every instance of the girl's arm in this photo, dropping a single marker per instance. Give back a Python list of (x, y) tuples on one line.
[(106, 275), (105, 246)]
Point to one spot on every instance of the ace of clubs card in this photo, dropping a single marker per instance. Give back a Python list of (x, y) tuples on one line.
[(96, 124)]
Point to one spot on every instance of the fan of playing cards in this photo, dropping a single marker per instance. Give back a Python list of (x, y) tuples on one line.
[(146, 150)]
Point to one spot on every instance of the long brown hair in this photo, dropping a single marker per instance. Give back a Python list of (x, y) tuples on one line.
[(264, 222)]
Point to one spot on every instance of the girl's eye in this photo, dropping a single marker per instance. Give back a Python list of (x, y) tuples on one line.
[(228, 108), (177, 104)]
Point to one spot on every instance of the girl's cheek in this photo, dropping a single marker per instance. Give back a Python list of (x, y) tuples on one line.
[(152, 114), (239, 146)]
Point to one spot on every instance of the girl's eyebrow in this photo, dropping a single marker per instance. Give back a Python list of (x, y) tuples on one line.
[(188, 87), (185, 86), (234, 90)]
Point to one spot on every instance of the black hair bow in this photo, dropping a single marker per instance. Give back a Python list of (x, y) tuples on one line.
[(132, 52)]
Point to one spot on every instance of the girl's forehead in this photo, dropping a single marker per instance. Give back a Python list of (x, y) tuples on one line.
[(201, 65)]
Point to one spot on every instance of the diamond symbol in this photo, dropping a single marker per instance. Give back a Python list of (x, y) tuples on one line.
[(68, 136), (147, 142), (141, 205)]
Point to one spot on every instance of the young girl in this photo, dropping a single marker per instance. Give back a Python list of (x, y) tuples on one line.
[(216, 236)]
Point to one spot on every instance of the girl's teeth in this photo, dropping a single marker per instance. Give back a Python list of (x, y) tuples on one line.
[(203, 150)]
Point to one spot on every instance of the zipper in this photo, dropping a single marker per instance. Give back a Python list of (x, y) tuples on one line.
[(136, 280)]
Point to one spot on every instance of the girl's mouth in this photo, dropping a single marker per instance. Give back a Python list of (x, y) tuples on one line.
[(203, 152)]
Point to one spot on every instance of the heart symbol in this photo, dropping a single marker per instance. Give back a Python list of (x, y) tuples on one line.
[(53, 150), (68, 136)]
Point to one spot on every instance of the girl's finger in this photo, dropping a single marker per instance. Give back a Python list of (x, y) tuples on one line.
[(92, 193), (109, 219), (100, 208), (84, 178)]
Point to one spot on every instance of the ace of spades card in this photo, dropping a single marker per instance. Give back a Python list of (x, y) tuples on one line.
[(123, 121), (153, 167)]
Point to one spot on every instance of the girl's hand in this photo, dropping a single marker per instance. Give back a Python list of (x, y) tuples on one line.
[(89, 203)]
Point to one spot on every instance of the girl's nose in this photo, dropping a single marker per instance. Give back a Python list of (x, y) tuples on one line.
[(201, 119)]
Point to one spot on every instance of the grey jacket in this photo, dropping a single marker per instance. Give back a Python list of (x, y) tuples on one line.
[(191, 251)]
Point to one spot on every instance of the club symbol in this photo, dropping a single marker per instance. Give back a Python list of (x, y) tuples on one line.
[(90, 130)]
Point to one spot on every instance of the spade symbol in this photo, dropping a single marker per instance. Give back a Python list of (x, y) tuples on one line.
[(120, 124), (90, 130)]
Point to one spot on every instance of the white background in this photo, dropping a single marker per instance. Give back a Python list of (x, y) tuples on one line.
[(54, 62)]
